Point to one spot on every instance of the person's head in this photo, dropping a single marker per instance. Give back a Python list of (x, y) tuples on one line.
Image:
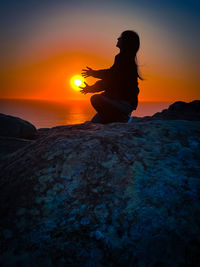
[(129, 41)]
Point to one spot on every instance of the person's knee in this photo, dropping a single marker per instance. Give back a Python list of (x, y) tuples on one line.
[(95, 99)]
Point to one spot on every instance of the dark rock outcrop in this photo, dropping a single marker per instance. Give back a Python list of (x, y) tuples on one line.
[(11, 126), (180, 111), (103, 195), (11, 144)]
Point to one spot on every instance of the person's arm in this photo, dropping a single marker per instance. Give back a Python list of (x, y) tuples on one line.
[(116, 69), (99, 74), (97, 87)]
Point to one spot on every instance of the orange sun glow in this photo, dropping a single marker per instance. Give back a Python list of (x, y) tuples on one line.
[(76, 81)]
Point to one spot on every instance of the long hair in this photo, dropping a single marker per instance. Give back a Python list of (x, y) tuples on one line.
[(131, 45)]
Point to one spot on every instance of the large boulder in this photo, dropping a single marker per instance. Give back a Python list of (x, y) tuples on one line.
[(180, 111), (103, 195), (11, 144), (11, 126)]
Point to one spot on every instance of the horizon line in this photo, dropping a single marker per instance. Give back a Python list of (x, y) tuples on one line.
[(80, 99)]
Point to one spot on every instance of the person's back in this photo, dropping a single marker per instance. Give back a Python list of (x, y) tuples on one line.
[(119, 83)]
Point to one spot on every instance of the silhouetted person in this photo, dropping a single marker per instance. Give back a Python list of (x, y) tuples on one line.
[(119, 83)]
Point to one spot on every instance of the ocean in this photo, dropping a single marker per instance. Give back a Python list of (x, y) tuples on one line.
[(46, 114)]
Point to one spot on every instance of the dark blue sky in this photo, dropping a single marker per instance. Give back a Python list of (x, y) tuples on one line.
[(181, 17)]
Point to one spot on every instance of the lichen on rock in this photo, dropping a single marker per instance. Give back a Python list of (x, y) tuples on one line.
[(105, 195)]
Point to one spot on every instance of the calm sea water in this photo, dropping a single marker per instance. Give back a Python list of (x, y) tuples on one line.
[(49, 114)]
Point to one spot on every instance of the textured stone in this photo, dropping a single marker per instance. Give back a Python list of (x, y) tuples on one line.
[(103, 195), (177, 111), (11, 126), (11, 144)]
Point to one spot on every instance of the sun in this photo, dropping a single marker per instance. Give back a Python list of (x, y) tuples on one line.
[(76, 81)]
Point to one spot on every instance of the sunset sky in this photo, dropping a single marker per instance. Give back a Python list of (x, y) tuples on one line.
[(44, 43)]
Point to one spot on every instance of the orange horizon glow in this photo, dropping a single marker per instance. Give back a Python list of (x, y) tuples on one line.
[(49, 79), (45, 48)]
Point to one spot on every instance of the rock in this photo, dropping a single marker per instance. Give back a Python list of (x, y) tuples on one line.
[(11, 126), (180, 111), (177, 111), (11, 144), (103, 195)]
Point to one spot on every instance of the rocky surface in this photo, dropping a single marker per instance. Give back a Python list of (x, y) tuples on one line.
[(180, 111), (16, 133), (177, 111), (11, 126), (10, 144), (103, 195)]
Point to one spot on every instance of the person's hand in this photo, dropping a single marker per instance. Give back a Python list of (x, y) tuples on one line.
[(87, 72), (85, 89)]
